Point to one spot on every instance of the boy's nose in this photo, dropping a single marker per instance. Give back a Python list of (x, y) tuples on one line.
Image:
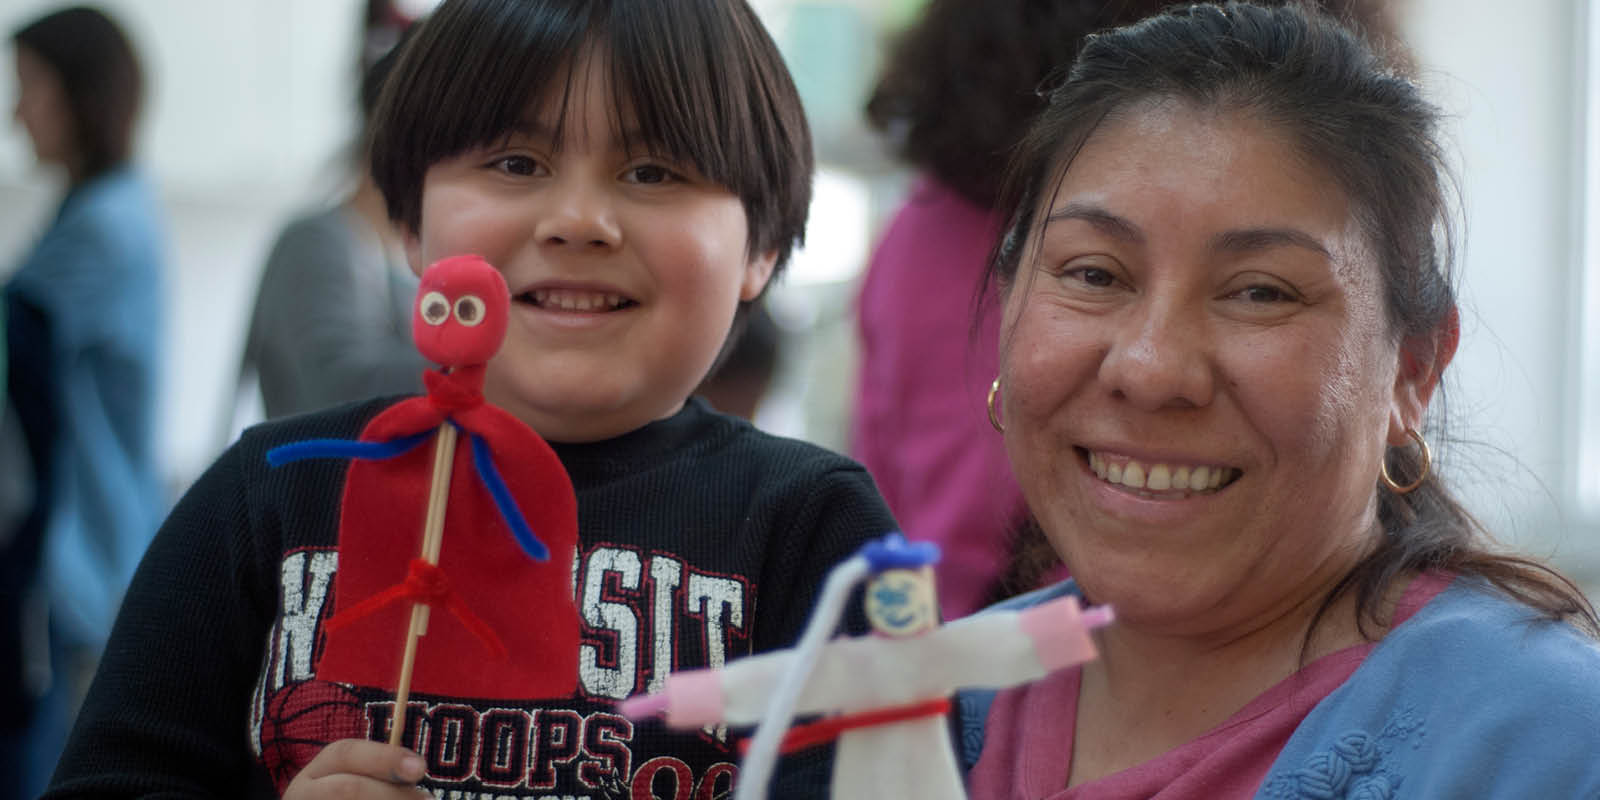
[(579, 216)]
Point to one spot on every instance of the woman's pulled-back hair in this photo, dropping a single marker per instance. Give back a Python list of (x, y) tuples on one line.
[(1349, 113), (700, 80), (101, 78)]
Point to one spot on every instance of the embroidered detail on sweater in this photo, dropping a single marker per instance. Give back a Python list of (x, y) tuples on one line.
[(1354, 767), (972, 712)]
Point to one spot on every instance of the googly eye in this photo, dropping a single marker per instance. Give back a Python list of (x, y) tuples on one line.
[(435, 308), (469, 310)]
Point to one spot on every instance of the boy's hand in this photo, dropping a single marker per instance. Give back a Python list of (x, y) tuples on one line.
[(357, 769)]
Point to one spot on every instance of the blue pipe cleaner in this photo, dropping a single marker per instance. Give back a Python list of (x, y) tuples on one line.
[(344, 448), (484, 462)]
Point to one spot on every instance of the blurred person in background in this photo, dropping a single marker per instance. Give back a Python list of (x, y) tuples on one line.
[(85, 316), (332, 318), (957, 90)]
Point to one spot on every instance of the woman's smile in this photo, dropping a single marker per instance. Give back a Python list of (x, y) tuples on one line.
[(1159, 480)]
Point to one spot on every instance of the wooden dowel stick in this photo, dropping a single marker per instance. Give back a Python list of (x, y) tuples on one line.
[(444, 450)]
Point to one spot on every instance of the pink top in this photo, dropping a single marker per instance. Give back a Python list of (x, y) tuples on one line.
[(920, 425), (1027, 751)]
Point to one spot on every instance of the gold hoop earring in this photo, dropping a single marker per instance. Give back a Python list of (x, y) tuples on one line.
[(994, 419), (1427, 464)]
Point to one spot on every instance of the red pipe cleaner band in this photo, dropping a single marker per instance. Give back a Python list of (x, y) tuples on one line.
[(424, 583), (457, 390), (826, 730)]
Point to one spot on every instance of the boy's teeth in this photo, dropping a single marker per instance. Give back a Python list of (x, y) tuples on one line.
[(571, 300), (1160, 477)]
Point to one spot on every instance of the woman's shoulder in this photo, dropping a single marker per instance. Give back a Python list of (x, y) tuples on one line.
[(317, 228), (1474, 695), (1473, 623), (119, 198)]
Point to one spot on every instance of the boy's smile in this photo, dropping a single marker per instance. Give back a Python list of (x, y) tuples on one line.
[(625, 269)]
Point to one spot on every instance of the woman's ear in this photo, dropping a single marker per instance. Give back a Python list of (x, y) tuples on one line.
[(1423, 358)]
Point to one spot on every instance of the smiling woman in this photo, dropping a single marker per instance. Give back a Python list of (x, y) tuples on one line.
[(1198, 303), (1226, 308)]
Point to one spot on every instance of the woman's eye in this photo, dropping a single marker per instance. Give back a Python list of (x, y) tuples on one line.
[(521, 166), (1265, 294), (1093, 276)]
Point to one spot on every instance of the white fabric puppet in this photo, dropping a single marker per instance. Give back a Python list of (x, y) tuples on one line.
[(885, 696)]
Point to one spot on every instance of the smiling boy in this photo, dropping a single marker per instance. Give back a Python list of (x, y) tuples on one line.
[(638, 171)]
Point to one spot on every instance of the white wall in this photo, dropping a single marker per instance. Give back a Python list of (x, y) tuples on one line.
[(1512, 80)]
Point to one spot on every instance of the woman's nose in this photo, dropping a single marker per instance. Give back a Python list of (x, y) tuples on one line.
[(1159, 358), (579, 214)]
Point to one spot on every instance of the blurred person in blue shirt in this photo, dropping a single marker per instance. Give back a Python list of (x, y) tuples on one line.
[(85, 315)]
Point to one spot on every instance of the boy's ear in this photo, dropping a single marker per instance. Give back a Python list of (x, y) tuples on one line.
[(1422, 360), (413, 247), (756, 274)]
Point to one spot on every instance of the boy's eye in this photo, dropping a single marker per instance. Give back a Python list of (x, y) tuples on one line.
[(649, 173), (522, 166)]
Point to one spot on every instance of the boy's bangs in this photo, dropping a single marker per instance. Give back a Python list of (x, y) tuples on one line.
[(663, 68), (703, 84), (698, 82), (489, 87), (667, 89)]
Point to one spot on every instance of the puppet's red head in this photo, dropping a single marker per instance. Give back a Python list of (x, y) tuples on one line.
[(461, 313)]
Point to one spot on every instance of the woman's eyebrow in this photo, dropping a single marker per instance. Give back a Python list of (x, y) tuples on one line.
[(1243, 240), (1254, 239), (1100, 218)]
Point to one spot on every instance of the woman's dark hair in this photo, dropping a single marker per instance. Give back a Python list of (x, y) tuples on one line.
[(1351, 114), (963, 82), (701, 80), (100, 76)]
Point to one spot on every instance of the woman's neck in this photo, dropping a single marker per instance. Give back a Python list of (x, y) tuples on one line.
[(1150, 693)]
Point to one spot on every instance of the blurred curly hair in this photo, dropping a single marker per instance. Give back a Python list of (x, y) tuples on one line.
[(961, 83)]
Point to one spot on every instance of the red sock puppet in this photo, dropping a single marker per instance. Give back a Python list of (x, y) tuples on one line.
[(500, 619)]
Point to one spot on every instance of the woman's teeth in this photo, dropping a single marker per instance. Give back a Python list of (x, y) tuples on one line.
[(1160, 477), (573, 300)]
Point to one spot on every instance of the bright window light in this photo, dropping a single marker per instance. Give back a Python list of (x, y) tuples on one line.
[(837, 236), (1588, 321)]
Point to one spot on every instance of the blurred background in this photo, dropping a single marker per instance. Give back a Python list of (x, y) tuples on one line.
[(246, 123)]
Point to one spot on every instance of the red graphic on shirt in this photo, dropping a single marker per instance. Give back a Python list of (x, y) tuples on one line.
[(302, 718)]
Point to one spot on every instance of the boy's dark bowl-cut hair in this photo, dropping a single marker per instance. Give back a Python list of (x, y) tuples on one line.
[(702, 79)]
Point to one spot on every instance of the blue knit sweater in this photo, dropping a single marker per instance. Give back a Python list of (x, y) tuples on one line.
[(1471, 697)]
